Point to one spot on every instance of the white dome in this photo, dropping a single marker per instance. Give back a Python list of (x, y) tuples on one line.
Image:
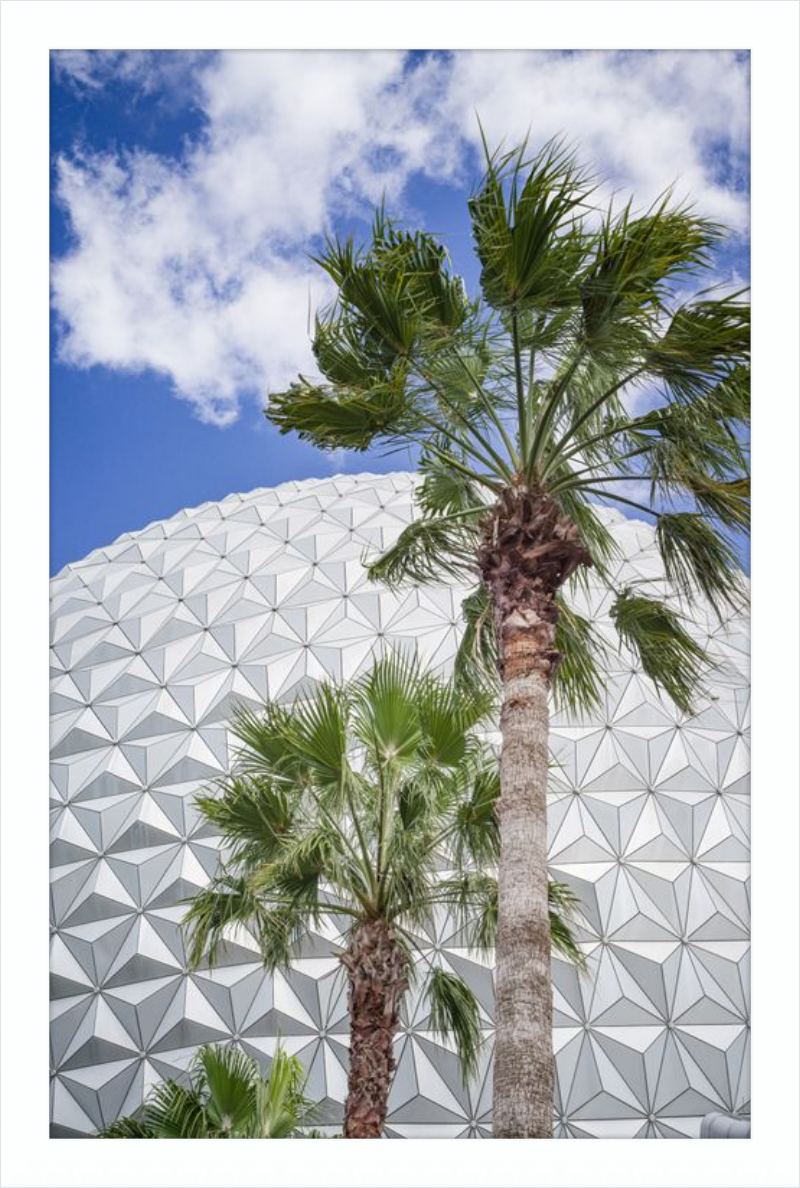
[(260, 595)]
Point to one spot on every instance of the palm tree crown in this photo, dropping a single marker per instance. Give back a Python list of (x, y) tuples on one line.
[(519, 403), (373, 803)]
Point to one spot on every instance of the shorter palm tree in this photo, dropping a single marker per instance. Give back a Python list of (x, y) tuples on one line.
[(372, 803), (226, 1097)]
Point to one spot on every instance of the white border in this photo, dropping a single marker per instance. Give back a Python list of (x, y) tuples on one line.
[(30, 29)]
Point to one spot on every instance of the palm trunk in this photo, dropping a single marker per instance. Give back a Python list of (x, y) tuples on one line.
[(529, 550), (523, 1055), (376, 970)]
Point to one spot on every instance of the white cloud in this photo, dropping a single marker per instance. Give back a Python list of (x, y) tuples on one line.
[(197, 267), (146, 70), (646, 120)]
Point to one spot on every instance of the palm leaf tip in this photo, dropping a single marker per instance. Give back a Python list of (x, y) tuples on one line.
[(564, 905), (455, 1013)]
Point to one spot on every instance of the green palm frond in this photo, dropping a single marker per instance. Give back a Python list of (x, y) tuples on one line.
[(475, 664), (448, 715), (228, 902), (728, 502), (729, 400), (233, 901), (354, 420), (703, 342), (428, 550), (318, 733), (579, 679), (528, 240), (266, 752), (669, 656), (387, 716), (594, 531), (280, 1107), (443, 490), (564, 907), (476, 833), (455, 1013), (635, 260), (696, 558), (178, 1111), (229, 1077), (252, 814), (471, 897)]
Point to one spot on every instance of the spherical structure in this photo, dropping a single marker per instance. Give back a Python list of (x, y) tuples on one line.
[(155, 639)]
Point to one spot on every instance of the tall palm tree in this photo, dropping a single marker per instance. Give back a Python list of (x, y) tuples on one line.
[(226, 1097), (345, 805), (582, 374)]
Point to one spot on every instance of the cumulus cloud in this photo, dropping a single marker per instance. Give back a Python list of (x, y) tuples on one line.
[(196, 266)]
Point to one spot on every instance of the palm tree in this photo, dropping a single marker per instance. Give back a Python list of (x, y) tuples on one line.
[(345, 805), (226, 1097), (580, 375)]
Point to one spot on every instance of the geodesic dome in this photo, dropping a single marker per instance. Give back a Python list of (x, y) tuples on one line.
[(156, 637)]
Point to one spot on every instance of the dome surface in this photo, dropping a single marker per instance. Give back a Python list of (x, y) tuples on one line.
[(155, 637)]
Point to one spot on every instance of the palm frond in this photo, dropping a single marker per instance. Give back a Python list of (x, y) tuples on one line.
[(444, 490), (426, 550), (701, 345), (178, 1111), (635, 260), (318, 734), (475, 664), (330, 418), (448, 715), (471, 897), (669, 656), (564, 907), (579, 680), (455, 1013), (728, 502), (281, 1108), (386, 714), (229, 1077), (528, 240), (230, 902), (594, 531), (697, 558), (476, 829), (252, 814)]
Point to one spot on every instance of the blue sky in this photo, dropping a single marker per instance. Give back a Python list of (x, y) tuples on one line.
[(188, 190)]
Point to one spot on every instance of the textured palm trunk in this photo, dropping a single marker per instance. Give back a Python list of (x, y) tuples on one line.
[(376, 969), (529, 550), (523, 1056)]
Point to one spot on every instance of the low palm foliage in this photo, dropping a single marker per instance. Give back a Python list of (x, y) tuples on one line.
[(374, 804), (225, 1097)]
